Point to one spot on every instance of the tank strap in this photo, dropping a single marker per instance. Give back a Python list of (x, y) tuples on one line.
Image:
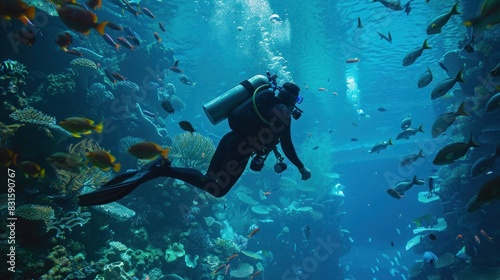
[(248, 86)]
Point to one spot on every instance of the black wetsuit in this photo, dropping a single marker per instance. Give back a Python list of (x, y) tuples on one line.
[(249, 135)]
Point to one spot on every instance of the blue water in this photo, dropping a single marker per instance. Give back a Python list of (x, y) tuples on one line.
[(218, 45)]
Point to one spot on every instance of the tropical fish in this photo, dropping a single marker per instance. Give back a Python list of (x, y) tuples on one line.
[(148, 150), (7, 157), (484, 163), (412, 56), (94, 4), (407, 8), (16, 9), (425, 79), (134, 40), (452, 152), (255, 274), (114, 26), (63, 40), (125, 43), (380, 146), (185, 80), (77, 126), (405, 134), (174, 68), (110, 41), (485, 235), (446, 85), (428, 219), (65, 161), (306, 232), (162, 27), (388, 38), (352, 60), (445, 120), (493, 103), (80, 19), (409, 159), (253, 232), (186, 126), (157, 37), (391, 4), (167, 106), (103, 160), (488, 193), (231, 257), (148, 12), (218, 269), (360, 25), (406, 185), (432, 237), (489, 16), (406, 123), (31, 169), (434, 27)]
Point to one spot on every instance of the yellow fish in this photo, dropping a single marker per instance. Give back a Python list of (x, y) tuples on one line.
[(148, 150), (31, 169), (488, 16), (7, 157), (78, 126), (103, 160)]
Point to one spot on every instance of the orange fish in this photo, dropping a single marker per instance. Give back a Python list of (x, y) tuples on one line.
[(231, 257), (78, 126), (255, 274), (118, 77), (7, 157), (103, 160), (485, 235), (63, 40), (31, 169), (80, 19), (148, 150), (94, 4), (459, 237), (16, 9), (218, 269), (157, 37), (477, 239), (253, 232)]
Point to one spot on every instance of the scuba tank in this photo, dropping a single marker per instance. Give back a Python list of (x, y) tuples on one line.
[(219, 108)]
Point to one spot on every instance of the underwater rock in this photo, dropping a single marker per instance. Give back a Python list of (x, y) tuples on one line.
[(174, 251)]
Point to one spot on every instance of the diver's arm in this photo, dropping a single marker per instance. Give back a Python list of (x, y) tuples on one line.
[(287, 144)]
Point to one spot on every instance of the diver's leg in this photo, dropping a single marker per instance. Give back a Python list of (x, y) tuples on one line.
[(224, 170)]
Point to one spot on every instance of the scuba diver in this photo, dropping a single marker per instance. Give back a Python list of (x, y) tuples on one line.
[(259, 113)]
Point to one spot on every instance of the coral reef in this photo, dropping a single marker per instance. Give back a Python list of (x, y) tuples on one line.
[(193, 150), (31, 115), (477, 273), (35, 212), (64, 266), (244, 270), (55, 90), (174, 251), (12, 82), (71, 219), (116, 211), (84, 68), (98, 95)]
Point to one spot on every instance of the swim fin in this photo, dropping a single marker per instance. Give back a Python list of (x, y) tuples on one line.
[(123, 184)]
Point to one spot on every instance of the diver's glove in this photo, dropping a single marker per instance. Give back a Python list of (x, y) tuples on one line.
[(305, 172)]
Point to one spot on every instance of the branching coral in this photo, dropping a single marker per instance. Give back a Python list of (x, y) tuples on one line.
[(6, 132), (195, 150), (70, 220), (56, 85), (30, 115), (72, 183)]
